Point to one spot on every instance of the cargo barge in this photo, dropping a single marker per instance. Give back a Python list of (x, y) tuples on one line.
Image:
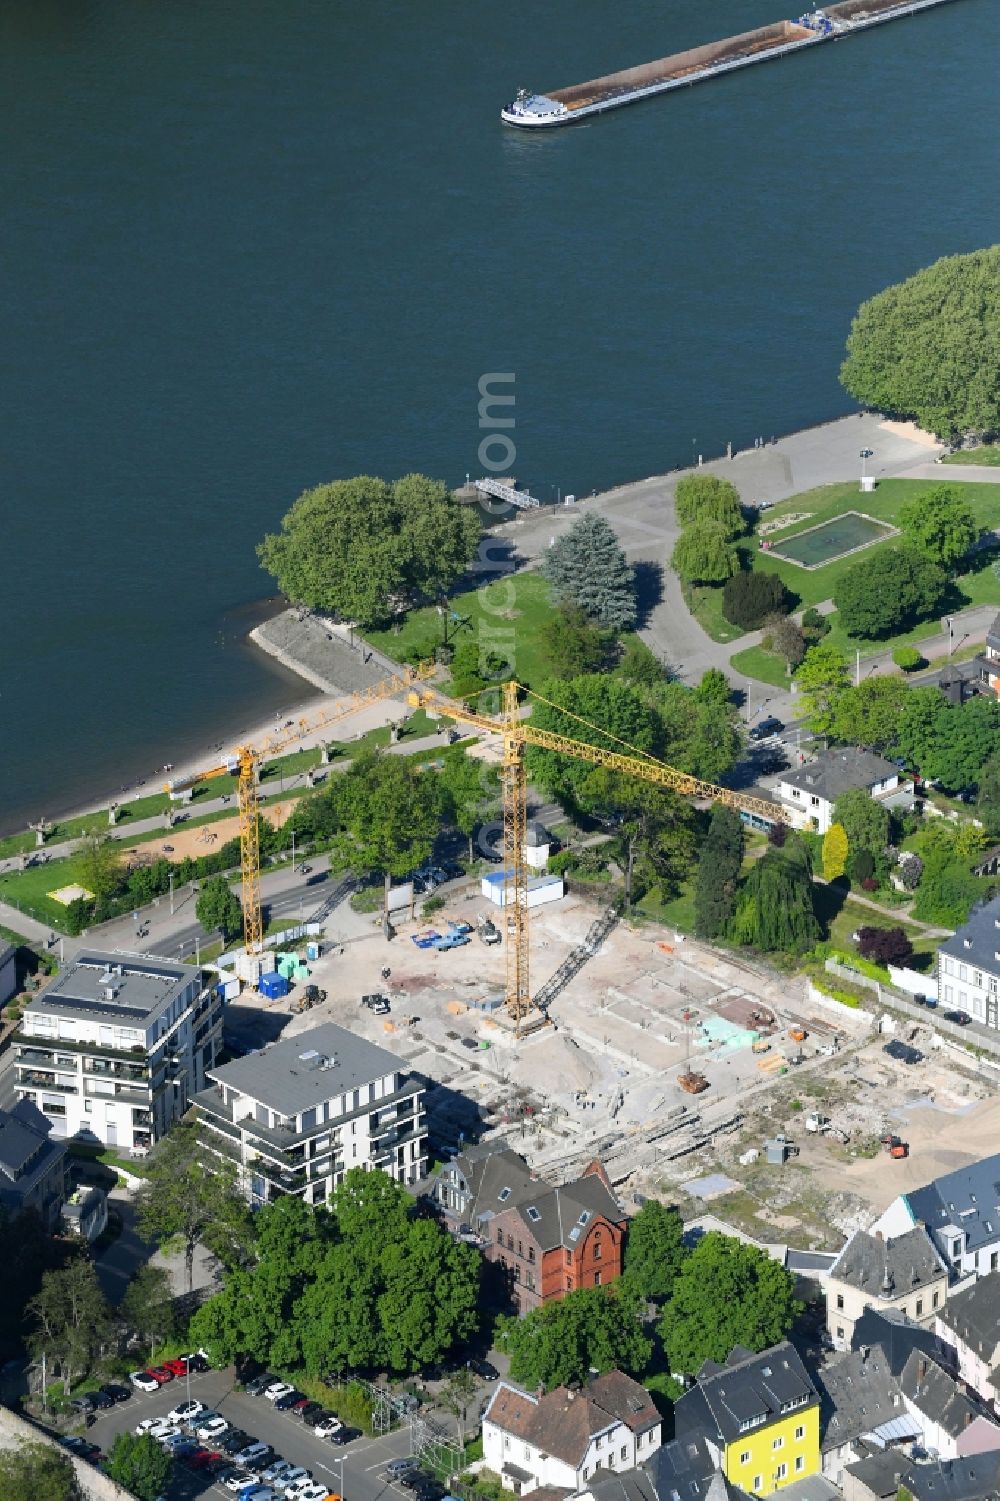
[(567, 106)]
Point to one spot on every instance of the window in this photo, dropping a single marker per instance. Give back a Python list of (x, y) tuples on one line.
[(778, 1443), (840, 1301), (503, 1195), (758, 1481), (934, 1300), (745, 1457), (569, 1284), (499, 1237), (531, 1281), (781, 1472), (597, 1279), (920, 1307), (624, 1453), (977, 978), (800, 1432), (956, 1248), (520, 1249), (569, 1256), (800, 1462), (597, 1248), (531, 1253), (510, 1242), (994, 1258), (840, 1332)]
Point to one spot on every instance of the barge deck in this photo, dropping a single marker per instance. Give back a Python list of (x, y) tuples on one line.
[(580, 101)]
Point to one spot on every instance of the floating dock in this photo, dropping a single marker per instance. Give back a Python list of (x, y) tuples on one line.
[(568, 106)]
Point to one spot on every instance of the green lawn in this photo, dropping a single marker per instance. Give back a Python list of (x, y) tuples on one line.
[(705, 603), (507, 616), (755, 662), (988, 454)]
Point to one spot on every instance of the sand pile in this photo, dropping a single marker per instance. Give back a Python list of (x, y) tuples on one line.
[(555, 1065)]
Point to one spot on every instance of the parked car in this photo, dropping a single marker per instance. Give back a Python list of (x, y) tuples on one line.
[(82, 1404), (310, 1413), (314, 1491), (101, 1400), (397, 1467), (146, 1424), (160, 1374), (766, 728), (412, 1480), (258, 1385), (144, 1381), (489, 932), (115, 1392), (234, 1479), (298, 1476), (961, 1017), (176, 1367), (450, 941), (211, 1427), (185, 1411), (276, 1472), (254, 1454), (459, 927), (300, 1405), (288, 1400), (278, 1389), (202, 1459), (483, 1369), (231, 1443), (81, 1446), (326, 1425), (426, 939), (429, 1489), (156, 1427), (902, 1051), (343, 1435)]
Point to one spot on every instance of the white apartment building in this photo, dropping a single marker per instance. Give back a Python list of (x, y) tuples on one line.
[(296, 1116), (969, 966), (113, 1049)]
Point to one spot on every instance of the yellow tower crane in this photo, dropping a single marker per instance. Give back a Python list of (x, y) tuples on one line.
[(245, 763), (515, 733)]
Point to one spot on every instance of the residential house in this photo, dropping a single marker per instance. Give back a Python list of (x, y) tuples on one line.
[(759, 1415), (860, 1407), (565, 1438), (296, 1116), (969, 1327), (115, 1046), (551, 1240), (685, 1469), (32, 1164), (951, 1423), (896, 1336), (810, 791), (905, 1273), (969, 966), (976, 1478), (960, 1212), (611, 1485), (988, 661), (877, 1477), (8, 972)]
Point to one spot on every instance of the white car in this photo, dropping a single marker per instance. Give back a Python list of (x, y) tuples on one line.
[(294, 1482), (312, 1492), (186, 1411), (149, 1423), (331, 1425), (278, 1389), (144, 1381), (238, 1480), (214, 1428)]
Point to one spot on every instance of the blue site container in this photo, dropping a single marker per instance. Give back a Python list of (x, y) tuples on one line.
[(273, 985)]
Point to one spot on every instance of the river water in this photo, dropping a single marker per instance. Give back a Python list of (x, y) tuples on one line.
[(249, 246)]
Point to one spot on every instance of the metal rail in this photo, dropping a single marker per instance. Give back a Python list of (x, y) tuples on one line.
[(500, 491)]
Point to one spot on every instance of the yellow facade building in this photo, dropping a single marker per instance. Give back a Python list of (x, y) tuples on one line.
[(759, 1415)]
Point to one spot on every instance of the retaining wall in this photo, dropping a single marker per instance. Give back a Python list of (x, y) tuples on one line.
[(94, 1484)]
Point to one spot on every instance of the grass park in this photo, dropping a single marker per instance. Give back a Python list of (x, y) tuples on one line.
[(988, 456)]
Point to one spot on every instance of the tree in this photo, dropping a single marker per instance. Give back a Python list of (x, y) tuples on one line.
[(654, 1251), (726, 1294), (474, 668), (704, 554), (147, 1308), (749, 598), (719, 866), (140, 1465), (700, 728), (774, 911), (189, 1197), (218, 906), (471, 792), (623, 711), (949, 743), (593, 1328), (834, 852), (861, 866), (705, 497), (988, 801), (587, 568), (365, 549), (865, 820), (885, 945), (783, 637), (940, 524), (98, 864), (573, 644), (821, 678), (869, 714), (654, 838), (37, 1470), (893, 588), (456, 1397), (71, 1319), (926, 348), (637, 664), (911, 868), (814, 625), (388, 814), (948, 890)]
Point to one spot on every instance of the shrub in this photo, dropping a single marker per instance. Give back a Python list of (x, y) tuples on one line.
[(749, 598), (814, 625), (869, 884), (911, 868), (861, 865), (885, 945), (433, 904), (777, 834), (907, 658)]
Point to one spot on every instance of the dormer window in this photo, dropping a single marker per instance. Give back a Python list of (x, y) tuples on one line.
[(503, 1195), (533, 1214)]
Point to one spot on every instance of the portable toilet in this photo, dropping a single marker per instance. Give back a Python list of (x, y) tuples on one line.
[(312, 952)]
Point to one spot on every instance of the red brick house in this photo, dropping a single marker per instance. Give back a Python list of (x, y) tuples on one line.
[(551, 1240)]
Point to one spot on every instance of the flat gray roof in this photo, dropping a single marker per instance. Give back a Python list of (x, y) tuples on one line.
[(92, 986), (303, 1071)]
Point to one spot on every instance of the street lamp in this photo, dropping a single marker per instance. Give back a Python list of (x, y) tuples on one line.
[(864, 456)]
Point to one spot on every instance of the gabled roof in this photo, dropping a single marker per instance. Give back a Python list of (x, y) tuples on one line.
[(972, 1479), (748, 1392), (683, 1469), (888, 1269), (497, 1179), (835, 772), (564, 1421), (24, 1132), (968, 1198), (894, 1334), (857, 1395), (973, 1316), (882, 1473), (560, 1216), (619, 1485), (933, 1392)]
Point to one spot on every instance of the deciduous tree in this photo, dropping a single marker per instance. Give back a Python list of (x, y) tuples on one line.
[(891, 589), (727, 1294), (98, 864), (189, 1197), (587, 568), (654, 838), (719, 866), (139, 1464), (37, 1470), (574, 645), (926, 348), (941, 524), (71, 1321), (218, 907), (147, 1308), (774, 911), (705, 497), (471, 792), (885, 945), (654, 1251), (748, 598), (593, 1328), (834, 852), (821, 679), (988, 802), (704, 554), (616, 715), (869, 714), (785, 639), (864, 820), (388, 815)]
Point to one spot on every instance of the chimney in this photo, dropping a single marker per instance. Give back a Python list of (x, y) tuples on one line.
[(863, 1352), (878, 1235), (968, 1419), (921, 1367)]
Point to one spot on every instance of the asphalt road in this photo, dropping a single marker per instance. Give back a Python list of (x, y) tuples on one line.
[(364, 1460)]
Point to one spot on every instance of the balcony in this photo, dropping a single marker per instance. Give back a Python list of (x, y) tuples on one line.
[(46, 1059), (99, 1068), (34, 1079)]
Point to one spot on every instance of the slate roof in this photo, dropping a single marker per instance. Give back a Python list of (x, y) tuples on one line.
[(683, 1469), (968, 1198), (748, 1389), (498, 1178), (501, 1179), (972, 1479), (933, 1392), (24, 1132), (895, 1335), (978, 940), (973, 1316), (835, 772), (888, 1268), (882, 1473), (564, 1421), (857, 1395), (619, 1485)]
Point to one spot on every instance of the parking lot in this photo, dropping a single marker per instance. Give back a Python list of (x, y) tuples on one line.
[(355, 1470)]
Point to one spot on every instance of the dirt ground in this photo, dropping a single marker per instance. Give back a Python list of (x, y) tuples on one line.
[(179, 843)]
